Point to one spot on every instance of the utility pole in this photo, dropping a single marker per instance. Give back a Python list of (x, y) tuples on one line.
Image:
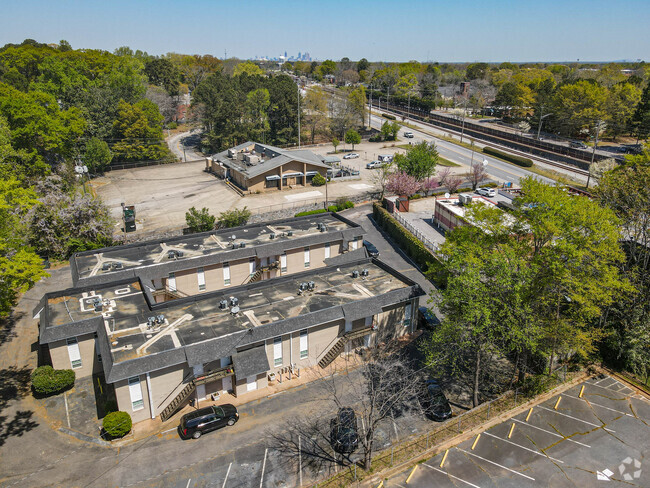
[(298, 116), (387, 96), (541, 119), (408, 108), (370, 110), (597, 128), (462, 130)]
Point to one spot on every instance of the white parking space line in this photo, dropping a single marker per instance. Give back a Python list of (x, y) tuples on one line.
[(188, 483), (603, 387), (496, 464), (576, 418), (525, 448), (168, 430), (552, 433), (451, 475), (226, 478), (604, 379), (598, 405), (263, 467)]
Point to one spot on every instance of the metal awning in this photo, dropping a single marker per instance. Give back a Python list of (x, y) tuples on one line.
[(292, 174), (251, 362), (272, 177), (311, 173)]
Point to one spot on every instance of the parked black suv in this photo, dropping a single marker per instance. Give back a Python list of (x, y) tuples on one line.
[(372, 250), (434, 402), (344, 436), (197, 423)]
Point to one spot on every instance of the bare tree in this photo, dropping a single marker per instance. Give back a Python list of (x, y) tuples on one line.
[(449, 180), (476, 174), (166, 104), (380, 177), (381, 385)]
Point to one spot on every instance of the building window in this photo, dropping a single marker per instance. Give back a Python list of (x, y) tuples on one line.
[(171, 282), (327, 250), (306, 257), (304, 344), (354, 243), (201, 277), (73, 352), (251, 266), (277, 351), (135, 390), (283, 263), (226, 274), (407, 315)]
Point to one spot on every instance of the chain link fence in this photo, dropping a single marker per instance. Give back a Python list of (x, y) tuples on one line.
[(432, 246)]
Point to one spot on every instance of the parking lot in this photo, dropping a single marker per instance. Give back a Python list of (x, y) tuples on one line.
[(566, 441)]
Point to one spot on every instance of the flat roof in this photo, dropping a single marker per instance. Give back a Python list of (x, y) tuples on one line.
[(263, 309), (204, 248)]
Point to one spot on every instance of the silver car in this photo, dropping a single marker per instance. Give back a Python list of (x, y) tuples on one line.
[(487, 192), (351, 156)]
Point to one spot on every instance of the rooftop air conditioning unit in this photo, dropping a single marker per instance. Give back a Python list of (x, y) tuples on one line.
[(223, 304), (311, 285), (364, 272), (151, 321), (106, 266), (464, 199), (117, 266), (272, 235), (234, 310), (171, 254), (179, 254), (242, 244), (355, 274), (160, 319), (289, 233), (234, 301), (232, 153)]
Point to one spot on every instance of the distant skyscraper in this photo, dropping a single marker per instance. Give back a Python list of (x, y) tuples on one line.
[(285, 54)]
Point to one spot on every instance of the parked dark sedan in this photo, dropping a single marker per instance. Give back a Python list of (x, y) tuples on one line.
[(344, 436), (434, 402), (197, 423), (372, 250)]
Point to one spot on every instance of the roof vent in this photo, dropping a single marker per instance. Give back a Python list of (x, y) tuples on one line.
[(323, 228), (364, 272), (355, 274), (223, 304)]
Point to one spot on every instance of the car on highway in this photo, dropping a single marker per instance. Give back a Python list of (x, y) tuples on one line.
[(433, 401), (487, 192), (195, 424), (370, 247), (344, 434), (578, 144), (408, 135), (374, 164), (351, 156)]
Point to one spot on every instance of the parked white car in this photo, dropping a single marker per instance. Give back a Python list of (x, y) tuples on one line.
[(487, 192), (408, 135), (374, 164), (351, 156)]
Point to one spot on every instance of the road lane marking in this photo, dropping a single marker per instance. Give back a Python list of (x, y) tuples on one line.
[(525, 448), (67, 414), (226, 478), (599, 405), (168, 430), (553, 433), (496, 464), (579, 420), (451, 475), (263, 467), (188, 483)]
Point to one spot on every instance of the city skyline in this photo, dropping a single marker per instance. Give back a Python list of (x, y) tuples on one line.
[(595, 31)]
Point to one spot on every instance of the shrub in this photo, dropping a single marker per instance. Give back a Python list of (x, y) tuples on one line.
[(117, 424), (376, 138), (411, 245), (172, 126), (310, 212), (388, 116), (318, 180), (537, 384), (199, 220), (518, 160), (48, 381), (233, 218)]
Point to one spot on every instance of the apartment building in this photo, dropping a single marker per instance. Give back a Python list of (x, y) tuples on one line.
[(210, 261), (223, 341)]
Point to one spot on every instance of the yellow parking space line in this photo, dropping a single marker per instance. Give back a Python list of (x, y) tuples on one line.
[(444, 458), (411, 475), (529, 412), (476, 441), (512, 428)]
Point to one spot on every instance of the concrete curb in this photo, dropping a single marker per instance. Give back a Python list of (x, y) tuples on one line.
[(84, 437), (376, 478)]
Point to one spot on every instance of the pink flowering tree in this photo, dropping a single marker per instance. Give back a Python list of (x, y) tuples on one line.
[(401, 183)]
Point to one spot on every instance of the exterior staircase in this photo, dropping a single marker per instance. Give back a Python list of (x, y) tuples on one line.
[(169, 294), (339, 344), (260, 271)]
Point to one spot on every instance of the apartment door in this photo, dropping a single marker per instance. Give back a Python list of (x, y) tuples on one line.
[(226, 384), (251, 383)]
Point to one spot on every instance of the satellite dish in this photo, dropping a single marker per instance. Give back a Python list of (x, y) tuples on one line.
[(233, 237), (485, 162), (78, 169), (447, 195)]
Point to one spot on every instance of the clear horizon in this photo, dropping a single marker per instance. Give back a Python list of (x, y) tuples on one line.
[(463, 32)]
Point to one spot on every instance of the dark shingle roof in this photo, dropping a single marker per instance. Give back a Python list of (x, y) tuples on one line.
[(251, 362)]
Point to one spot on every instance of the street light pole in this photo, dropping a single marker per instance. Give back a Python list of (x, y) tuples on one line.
[(462, 130), (408, 108), (593, 152), (370, 110), (298, 116), (541, 119)]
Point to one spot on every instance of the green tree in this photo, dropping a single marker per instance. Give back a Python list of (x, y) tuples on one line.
[(335, 143), (363, 65), (257, 105), (357, 102), (622, 101), (97, 155), (316, 111), (514, 98), (328, 67), (233, 218), (199, 220), (576, 106), (352, 137), (389, 130), (419, 161), (162, 72), (249, 68), (641, 117), (139, 130), (476, 71)]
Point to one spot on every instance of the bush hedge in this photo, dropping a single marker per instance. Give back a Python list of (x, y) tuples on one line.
[(388, 116), (518, 160), (48, 381), (310, 212), (117, 424), (318, 180), (411, 245)]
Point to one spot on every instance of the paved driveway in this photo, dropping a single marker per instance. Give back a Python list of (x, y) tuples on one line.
[(599, 439)]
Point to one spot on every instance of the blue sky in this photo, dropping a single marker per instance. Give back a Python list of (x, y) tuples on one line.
[(436, 30)]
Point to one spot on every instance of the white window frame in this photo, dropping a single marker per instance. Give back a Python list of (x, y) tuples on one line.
[(304, 344), (171, 281), (226, 274), (327, 250), (251, 266), (200, 275), (74, 353), (135, 391), (283, 263), (277, 351), (307, 263)]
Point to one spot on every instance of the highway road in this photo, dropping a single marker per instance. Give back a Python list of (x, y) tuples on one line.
[(459, 154)]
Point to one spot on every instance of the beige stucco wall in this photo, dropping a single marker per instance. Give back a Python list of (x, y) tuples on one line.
[(89, 361), (124, 400)]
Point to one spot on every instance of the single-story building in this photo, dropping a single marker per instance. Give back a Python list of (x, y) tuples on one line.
[(256, 167)]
